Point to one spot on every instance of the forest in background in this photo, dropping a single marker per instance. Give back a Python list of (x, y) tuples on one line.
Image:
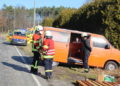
[(97, 16), (21, 17)]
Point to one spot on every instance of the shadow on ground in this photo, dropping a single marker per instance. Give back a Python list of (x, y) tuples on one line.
[(73, 65), (23, 59), (16, 67), (6, 43), (70, 65), (20, 68)]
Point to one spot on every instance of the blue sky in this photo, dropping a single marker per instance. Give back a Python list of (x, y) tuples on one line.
[(42, 3)]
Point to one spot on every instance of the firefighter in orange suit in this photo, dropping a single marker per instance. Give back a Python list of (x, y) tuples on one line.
[(36, 46), (48, 54)]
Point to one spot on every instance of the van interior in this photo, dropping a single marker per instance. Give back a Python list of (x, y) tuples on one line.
[(75, 49)]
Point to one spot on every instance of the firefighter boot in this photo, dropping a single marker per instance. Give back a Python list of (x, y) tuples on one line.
[(35, 71), (85, 70), (32, 70)]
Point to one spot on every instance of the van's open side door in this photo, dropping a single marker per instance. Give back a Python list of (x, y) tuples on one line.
[(61, 45)]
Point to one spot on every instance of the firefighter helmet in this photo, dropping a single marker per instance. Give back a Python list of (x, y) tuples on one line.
[(48, 34), (84, 35), (39, 28)]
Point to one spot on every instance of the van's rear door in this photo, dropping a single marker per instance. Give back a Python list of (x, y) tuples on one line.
[(61, 45)]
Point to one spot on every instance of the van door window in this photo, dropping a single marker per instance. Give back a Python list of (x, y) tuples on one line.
[(60, 36), (99, 42)]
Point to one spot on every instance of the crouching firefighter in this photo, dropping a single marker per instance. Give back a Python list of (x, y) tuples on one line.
[(48, 54), (36, 47)]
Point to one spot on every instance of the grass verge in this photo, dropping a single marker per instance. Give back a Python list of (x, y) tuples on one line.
[(73, 73)]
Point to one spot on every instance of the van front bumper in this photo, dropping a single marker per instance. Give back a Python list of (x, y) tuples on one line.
[(19, 42)]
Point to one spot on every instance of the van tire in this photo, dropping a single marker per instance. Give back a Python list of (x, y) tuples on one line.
[(111, 65), (55, 64)]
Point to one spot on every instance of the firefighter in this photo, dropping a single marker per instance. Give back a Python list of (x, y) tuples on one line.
[(36, 46), (86, 51), (48, 54)]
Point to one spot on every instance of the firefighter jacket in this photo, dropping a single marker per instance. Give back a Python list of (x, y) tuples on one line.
[(36, 43), (86, 45), (48, 48)]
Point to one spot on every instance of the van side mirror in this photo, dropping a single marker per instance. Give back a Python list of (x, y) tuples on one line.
[(107, 46)]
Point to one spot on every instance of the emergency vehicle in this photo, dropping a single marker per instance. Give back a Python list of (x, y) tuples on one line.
[(18, 37), (68, 49), (29, 34)]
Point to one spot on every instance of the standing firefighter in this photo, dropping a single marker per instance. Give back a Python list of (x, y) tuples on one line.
[(86, 51), (48, 53), (36, 46)]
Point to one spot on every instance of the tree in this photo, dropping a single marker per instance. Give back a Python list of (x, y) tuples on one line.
[(98, 16), (64, 17), (48, 21), (7, 17), (17, 17)]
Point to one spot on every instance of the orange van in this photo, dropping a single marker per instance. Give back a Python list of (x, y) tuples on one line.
[(68, 49)]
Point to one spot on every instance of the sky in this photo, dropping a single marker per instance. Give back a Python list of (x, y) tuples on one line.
[(43, 3)]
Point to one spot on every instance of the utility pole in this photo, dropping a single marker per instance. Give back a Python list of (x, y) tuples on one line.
[(34, 14), (37, 20), (14, 19)]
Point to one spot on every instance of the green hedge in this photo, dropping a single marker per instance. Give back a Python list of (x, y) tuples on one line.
[(98, 16), (64, 17)]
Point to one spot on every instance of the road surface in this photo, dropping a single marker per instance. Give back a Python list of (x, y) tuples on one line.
[(15, 66), (14, 69)]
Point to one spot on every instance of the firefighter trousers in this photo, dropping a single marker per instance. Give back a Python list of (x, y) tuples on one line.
[(85, 60), (48, 67), (34, 67)]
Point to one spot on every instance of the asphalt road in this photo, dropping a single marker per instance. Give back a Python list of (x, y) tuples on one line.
[(14, 69)]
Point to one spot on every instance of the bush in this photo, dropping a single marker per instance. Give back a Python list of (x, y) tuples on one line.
[(99, 16)]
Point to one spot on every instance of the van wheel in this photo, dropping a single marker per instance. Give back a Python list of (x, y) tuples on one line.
[(110, 65), (55, 64)]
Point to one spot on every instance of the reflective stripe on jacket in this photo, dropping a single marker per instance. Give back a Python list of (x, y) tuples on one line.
[(48, 48), (47, 56)]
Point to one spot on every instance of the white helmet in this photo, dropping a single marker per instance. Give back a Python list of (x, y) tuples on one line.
[(84, 35), (48, 33), (39, 28)]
